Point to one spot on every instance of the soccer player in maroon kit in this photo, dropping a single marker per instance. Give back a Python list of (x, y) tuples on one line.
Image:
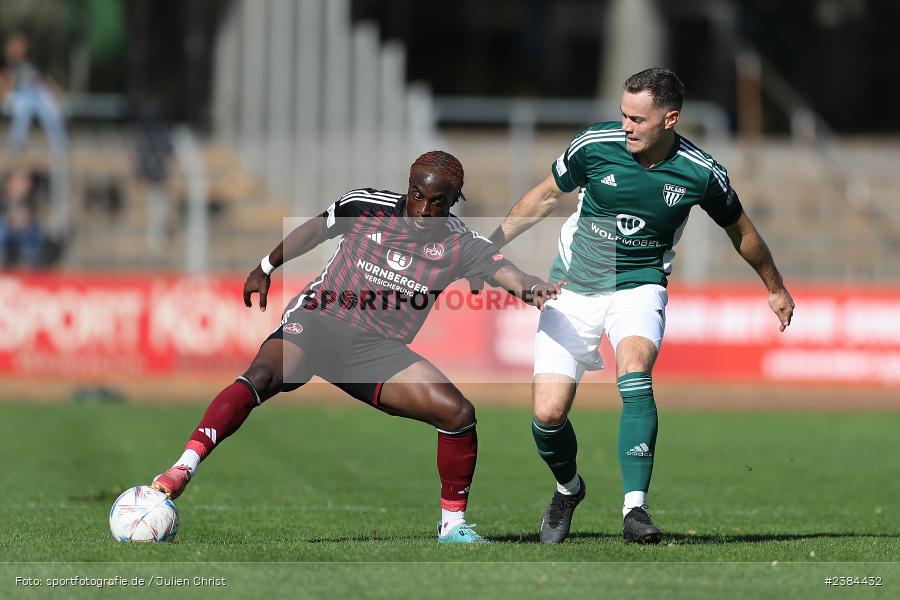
[(352, 324)]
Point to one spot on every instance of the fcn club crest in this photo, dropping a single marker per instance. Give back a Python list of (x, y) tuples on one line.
[(434, 251), (397, 260), (673, 193), (293, 328)]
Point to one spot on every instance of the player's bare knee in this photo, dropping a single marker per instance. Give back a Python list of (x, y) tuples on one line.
[(636, 367), (456, 415), (549, 414), (635, 354), (265, 377), (639, 363)]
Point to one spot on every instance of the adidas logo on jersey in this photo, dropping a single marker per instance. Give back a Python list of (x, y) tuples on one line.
[(375, 237), (609, 180), (640, 450)]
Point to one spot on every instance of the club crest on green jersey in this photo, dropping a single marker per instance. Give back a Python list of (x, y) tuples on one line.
[(673, 193)]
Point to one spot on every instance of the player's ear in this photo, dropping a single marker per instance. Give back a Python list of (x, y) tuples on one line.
[(671, 118)]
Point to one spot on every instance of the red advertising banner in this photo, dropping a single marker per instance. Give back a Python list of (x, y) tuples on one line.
[(838, 335), (85, 326), (78, 327), (727, 333)]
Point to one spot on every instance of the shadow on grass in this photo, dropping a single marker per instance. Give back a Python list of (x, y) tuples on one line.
[(699, 539), (754, 538), (365, 538)]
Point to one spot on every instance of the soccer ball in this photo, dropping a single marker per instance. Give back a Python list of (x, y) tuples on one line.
[(143, 514)]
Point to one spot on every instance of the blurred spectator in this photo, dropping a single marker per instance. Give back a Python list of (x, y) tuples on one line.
[(23, 243), (29, 94)]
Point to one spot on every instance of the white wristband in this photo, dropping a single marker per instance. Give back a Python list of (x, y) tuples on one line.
[(266, 266)]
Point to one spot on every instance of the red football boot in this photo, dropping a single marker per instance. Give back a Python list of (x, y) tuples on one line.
[(173, 481)]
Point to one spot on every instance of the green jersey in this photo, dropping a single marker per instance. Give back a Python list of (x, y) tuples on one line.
[(629, 217)]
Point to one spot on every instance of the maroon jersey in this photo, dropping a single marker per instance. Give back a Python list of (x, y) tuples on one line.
[(385, 275)]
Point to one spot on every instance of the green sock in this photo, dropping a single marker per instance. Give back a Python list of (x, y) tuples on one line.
[(557, 446), (637, 431)]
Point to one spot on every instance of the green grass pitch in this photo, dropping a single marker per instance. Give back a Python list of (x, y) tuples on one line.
[(343, 501)]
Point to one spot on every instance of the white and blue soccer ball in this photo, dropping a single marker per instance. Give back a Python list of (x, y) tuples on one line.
[(142, 514)]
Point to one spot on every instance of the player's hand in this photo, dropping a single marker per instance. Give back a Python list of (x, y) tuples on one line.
[(257, 282), (782, 305), (476, 284), (546, 291)]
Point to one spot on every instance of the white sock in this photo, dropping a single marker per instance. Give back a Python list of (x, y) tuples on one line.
[(571, 488), (450, 519), (632, 500), (190, 459)]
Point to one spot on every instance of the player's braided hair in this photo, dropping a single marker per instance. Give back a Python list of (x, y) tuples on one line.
[(444, 165)]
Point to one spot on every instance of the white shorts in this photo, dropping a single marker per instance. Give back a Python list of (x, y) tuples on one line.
[(569, 332)]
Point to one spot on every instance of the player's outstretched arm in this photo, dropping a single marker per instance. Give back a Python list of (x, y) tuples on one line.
[(537, 203), (298, 242), (532, 290), (750, 245)]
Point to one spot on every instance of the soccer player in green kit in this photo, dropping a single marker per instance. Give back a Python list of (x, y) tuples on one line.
[(639, 180)]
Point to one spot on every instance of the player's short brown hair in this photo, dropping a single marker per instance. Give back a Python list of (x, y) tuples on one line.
[(664, 86)]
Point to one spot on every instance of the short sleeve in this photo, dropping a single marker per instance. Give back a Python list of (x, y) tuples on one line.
[(340, 216), (568, 170), (720, 200), (479, 256), (332, 227)]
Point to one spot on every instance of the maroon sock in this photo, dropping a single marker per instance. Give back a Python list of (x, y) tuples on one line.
[(456, 456), (223, 417)]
